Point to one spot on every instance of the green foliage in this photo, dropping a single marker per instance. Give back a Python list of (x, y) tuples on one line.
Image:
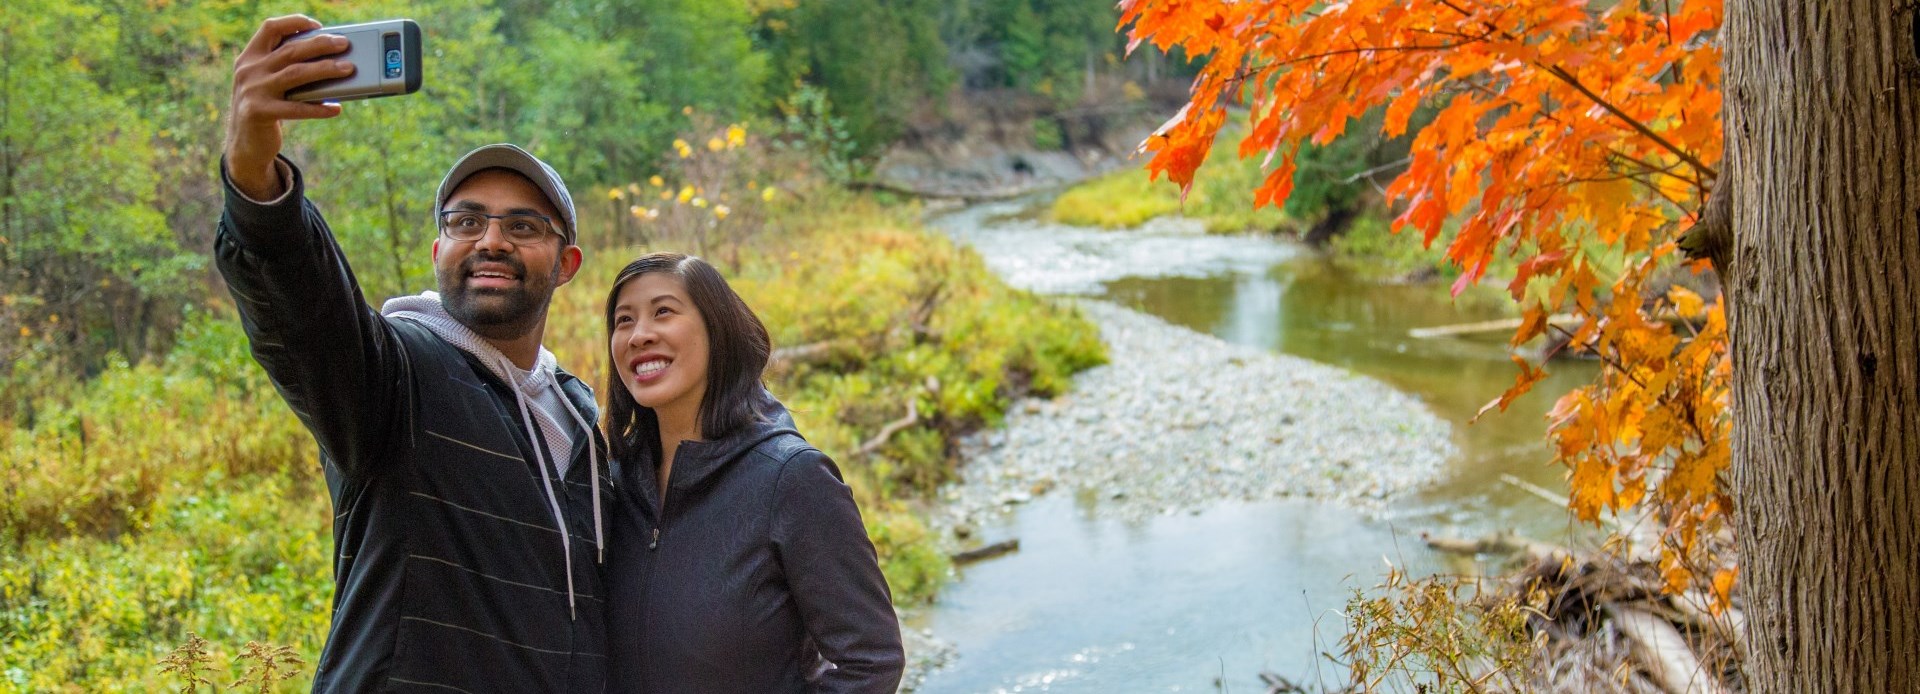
[(1047, 47), (824, 138), (1223, 199), (1371, 248), (876, 59), (88, 266)]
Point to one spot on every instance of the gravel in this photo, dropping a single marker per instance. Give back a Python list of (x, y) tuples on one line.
[(1179, 419)]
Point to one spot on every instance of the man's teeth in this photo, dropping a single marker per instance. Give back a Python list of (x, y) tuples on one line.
[(649, 367)]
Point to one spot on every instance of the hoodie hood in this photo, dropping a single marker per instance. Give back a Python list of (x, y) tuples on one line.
[(426, 310), (699, 460)]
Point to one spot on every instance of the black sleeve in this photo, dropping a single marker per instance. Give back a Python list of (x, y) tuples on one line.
[(835, 578), (338, 364)]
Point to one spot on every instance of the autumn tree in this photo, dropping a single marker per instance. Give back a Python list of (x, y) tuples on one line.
[(1569, 132)]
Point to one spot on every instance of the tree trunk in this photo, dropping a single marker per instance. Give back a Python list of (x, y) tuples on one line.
[(1823, 129)]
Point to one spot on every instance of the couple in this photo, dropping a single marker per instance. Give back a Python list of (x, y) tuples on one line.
[(488, 538)]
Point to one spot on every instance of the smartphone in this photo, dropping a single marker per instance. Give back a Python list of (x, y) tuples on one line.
[(386, 62)]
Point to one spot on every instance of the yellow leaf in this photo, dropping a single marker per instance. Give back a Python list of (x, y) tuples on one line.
[(1723, 589), (1689, 304)]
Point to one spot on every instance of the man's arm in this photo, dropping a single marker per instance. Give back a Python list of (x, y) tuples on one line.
[(337, 363)]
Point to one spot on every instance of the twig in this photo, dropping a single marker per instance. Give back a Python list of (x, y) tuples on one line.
[(893, 427)]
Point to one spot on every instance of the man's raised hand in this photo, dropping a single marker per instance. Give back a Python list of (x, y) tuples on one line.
[(262, 74)]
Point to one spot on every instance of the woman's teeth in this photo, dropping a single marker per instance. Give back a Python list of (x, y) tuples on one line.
[(649, 368)]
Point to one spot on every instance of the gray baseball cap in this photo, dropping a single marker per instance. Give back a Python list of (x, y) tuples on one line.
[(506, 156)]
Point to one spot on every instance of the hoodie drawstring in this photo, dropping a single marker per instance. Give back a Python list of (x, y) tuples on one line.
[(593, 468), (546, 479)]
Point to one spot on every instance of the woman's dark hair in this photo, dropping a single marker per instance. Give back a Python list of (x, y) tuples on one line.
[(737, 346)]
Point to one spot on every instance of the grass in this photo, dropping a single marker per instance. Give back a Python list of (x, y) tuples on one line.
[(1222, 197)]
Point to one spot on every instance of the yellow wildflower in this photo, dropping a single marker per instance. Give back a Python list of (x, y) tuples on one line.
[(637, 211), (26, 331), (615, 194), (55, 318), (666, 195), (687, 110), (633, 188), (685, 150), (686, 193), (716, 145), (657, 181), (767, 194), (736, 136), (753, 185), (721, 211), (700, 202)]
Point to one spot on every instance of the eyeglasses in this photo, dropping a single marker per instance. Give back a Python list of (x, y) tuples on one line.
[(521, 229)]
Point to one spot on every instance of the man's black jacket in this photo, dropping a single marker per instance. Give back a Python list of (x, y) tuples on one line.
[(450, 573)]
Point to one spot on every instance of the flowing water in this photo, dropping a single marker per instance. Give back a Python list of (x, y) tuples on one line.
[(1206, 600)]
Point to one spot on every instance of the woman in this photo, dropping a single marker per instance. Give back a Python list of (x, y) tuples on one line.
[(739, 562)]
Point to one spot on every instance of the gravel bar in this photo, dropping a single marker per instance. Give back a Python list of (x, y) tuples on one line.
[(1179, 419)]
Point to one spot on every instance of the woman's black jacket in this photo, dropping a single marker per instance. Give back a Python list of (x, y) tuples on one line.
[(758, 570)]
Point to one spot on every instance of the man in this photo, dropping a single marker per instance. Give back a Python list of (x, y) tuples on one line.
[(464, 467)]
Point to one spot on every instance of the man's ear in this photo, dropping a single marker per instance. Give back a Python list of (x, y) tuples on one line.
[(436, 250), (570, 259)]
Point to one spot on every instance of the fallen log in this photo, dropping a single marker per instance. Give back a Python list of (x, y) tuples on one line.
[(810, 352), (1663, 652), (986, 552), (1497, 543), (1504, 324), (1730, 624)]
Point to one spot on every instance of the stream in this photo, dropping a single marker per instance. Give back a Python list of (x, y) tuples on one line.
[(1206, 598)]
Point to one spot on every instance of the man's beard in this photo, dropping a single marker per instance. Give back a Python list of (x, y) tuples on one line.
[(497, 314)]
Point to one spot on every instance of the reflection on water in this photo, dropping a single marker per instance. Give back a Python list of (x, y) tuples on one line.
[(1095, 605)]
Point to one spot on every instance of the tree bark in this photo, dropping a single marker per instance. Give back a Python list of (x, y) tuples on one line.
[(1823, 129)]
